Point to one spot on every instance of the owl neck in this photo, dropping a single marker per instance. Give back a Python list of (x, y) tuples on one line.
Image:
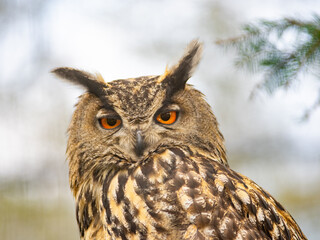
[(213, 149), (83, 170), (214, 153)]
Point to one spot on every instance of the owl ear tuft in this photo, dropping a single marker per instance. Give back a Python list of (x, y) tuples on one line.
[(176, 77), (94, 84)]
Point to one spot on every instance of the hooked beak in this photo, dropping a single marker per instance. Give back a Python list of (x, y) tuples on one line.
[(140, 144)]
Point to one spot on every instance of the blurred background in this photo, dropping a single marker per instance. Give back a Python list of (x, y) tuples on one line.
[(265, 137)]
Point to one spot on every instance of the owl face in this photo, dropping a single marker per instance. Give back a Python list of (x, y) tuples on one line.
[(123, 121), (138, 118)]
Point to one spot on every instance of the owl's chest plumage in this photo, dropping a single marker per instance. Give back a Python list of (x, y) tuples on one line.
[(144, 201), (179, 194), (170, 196)]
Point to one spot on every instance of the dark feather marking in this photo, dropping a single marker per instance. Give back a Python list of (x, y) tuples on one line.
[(184, 168), (175, 184), (143, 236), (171, 211), (130, 171), (135, 211), (195, 166), (161, 151), (166, 166), (159, 228), (94, 212), (94, 234), (265, 193), (142, 182), (178, 152), (192, 183), (115, 231), (154, 215), (116, 221), (209, 167), (201, 220), (81, 230), (263, 202), (88, 196), (105, 199), (231, 227), (170, 168), (122, 179), (86, 220), (268, 224), (279, 206), (106, 205), (253, 209), (239, 178), (234, 207), (143, 233), (287, 232), (96, 174), (230, 186), (117, 227), (81, 169), (274, 216), (123, 232), (208, 207), (192, 192), (189, 150), (149, 204), (147, 168), (129, 218)]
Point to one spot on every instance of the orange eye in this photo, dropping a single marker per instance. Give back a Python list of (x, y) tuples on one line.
[(167, 117), (109, 123)]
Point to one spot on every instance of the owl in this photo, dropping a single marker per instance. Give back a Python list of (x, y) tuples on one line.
[(147, 161)]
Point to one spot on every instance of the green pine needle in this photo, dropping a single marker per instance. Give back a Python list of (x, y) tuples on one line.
[(264, 47)]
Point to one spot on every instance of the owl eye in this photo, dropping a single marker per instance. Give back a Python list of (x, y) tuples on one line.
[(109, 122), (167, 117)]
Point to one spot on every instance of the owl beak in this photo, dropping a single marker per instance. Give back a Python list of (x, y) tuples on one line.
[(140, 144)]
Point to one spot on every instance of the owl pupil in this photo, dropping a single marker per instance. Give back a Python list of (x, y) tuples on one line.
[(165, 116), (111, 121)]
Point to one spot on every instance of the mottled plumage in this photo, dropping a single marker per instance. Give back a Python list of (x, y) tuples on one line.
[(147, 161)]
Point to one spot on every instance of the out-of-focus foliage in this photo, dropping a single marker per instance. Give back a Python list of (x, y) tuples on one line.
[(281, 49)]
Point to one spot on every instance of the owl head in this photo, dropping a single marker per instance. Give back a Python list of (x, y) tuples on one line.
[(120, 123)]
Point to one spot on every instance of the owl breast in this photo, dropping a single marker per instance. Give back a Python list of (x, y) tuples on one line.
[(176, 194)]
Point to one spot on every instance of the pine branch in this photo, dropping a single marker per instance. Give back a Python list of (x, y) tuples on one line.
[(263, 47)]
